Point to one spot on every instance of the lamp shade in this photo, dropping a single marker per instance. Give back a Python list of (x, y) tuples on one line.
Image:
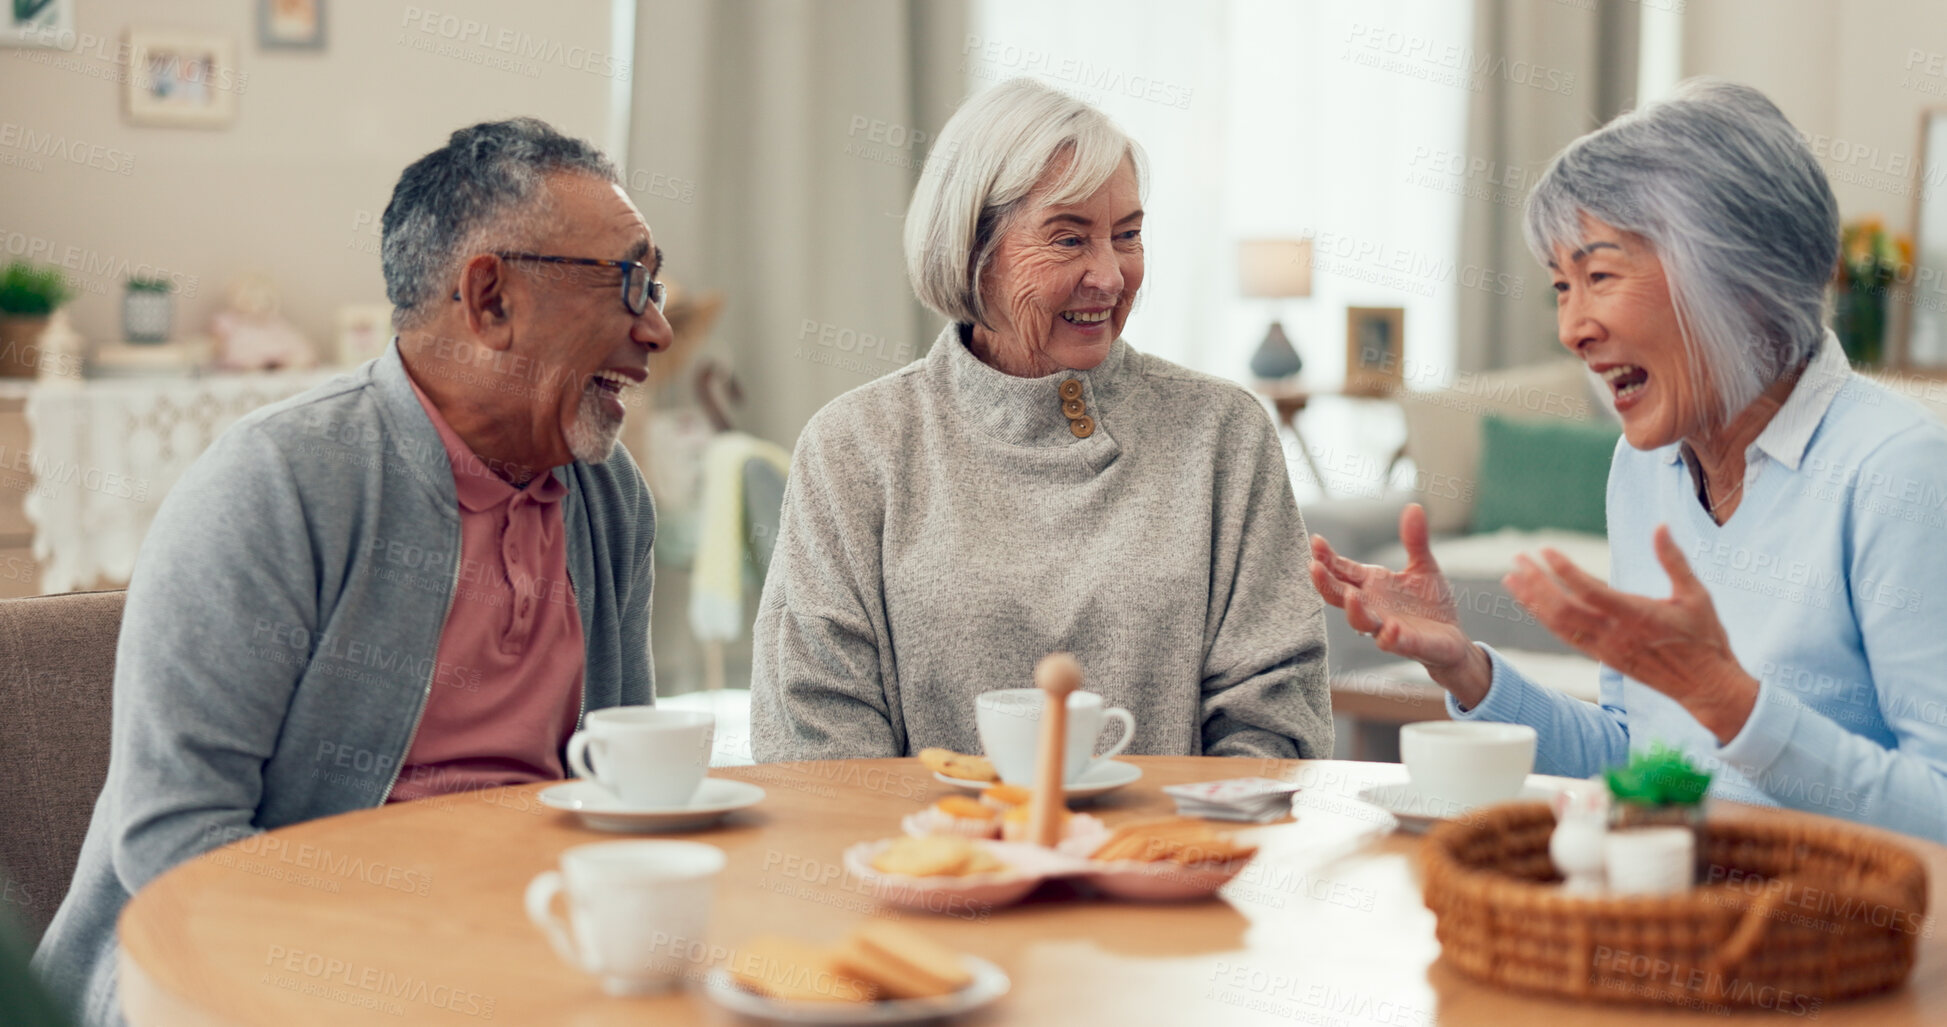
[(1274, 268)]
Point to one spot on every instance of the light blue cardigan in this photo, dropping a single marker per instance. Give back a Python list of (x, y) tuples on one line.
[(278, 643), (1831, 581)]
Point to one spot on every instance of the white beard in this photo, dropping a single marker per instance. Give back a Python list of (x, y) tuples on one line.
[(592, 435)]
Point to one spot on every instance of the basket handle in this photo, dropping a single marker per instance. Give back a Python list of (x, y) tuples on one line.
[(1745, 938)]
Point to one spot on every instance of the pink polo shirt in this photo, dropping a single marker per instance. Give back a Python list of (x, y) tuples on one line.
[(507, 691)]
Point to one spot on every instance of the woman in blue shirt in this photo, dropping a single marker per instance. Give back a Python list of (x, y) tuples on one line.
[(1791, 511)]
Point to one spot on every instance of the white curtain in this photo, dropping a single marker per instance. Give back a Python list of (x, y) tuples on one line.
[(772, 150), (1264, 118), (1582, 61)]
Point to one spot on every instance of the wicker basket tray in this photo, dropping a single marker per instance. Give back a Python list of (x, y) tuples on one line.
[(1793, 914)]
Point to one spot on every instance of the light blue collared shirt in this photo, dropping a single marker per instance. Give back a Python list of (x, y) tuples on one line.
[(1831, 582)]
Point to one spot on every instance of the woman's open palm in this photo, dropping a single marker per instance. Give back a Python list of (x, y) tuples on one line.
[(1408, 612)]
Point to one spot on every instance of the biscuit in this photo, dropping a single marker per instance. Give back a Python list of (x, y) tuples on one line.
[(1006, 796), (793, 971), (980, 861), (965, 808), (902, 962), (1180, 840), (931, 856), (958, 765)]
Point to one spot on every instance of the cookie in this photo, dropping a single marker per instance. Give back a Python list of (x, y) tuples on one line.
[(901, 962), (792, 971), (958, 765), (1006, 796), (964, 808), (932, 856), (1180, 840), (936, 856)]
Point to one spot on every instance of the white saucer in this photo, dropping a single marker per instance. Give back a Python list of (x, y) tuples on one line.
[(1417, 811), (1106, 776), (717, 797), (989, 983)]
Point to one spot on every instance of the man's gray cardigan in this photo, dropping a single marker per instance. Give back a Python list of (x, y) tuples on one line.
[(279, 641), (946, 526)]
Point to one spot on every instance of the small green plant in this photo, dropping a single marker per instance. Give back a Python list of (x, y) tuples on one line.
[(31, 291), (139, 284), (1661, 777)]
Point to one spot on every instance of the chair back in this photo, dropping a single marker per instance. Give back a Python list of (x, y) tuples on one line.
[(57, 674)]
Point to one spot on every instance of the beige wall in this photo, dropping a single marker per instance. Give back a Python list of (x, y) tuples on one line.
[(1841, 73), (295, 186)]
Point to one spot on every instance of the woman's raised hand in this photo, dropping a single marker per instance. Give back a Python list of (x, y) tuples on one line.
[(1408, 612)]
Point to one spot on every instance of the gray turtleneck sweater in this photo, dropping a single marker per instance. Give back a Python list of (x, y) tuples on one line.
[(948, 525)]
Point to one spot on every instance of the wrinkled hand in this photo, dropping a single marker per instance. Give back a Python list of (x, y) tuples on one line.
[(1676, 645), (1408, 612)]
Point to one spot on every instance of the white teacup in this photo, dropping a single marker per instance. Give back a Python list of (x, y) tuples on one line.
[(1467, 763), (1009, 721), (635, 909), (644, 756)]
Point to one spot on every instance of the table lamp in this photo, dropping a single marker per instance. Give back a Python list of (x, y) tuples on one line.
[(1275, 269)]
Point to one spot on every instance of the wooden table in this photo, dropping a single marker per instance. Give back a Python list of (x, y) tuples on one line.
[(412, 914)]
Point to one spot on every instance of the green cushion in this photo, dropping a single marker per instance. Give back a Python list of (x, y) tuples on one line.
[(1543, 473)]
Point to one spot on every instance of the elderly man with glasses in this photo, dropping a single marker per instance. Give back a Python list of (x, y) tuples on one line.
[(413, 580)]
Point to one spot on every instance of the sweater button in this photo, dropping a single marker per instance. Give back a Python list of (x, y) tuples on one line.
[(1073, 408), (1071, 389), (1082, 427)]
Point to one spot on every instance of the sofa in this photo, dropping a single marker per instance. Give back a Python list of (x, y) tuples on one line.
[(1444, 445)]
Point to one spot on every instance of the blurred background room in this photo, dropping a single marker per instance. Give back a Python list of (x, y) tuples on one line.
[(190, 200)]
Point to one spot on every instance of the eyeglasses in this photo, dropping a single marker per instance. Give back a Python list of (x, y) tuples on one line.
[(639, 287)]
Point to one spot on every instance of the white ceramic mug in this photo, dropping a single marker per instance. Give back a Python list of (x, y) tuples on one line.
[(1467, 763), (635, 910), (644, 756), (1009, 721)]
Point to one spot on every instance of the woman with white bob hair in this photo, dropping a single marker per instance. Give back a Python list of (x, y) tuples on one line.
[(1033, 484), (1787, 508)]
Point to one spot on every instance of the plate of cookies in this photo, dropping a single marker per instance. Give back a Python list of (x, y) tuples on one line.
[(952, 875), (977, 774), (1168, 859), (880, 973), (1000, 812)]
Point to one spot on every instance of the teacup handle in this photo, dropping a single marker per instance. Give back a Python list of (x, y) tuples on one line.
[(578, 755), (540, 902), (1128, 735)]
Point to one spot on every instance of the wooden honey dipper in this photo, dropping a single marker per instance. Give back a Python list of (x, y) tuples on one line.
[(1058, 675)]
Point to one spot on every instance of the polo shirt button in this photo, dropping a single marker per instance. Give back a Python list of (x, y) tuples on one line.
[(1071, 389), (1082, 427), (1073, 408)]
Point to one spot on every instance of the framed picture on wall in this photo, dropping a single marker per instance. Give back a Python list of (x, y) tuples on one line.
[(1375, 339), (38, 23), (182, 79), (291, 24)]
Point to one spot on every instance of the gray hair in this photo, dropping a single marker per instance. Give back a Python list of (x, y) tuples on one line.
[(481, 191), (1737, 209), (983, 166)]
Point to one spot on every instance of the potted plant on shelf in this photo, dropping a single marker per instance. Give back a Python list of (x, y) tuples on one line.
[(29, 296), (146, 309)]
